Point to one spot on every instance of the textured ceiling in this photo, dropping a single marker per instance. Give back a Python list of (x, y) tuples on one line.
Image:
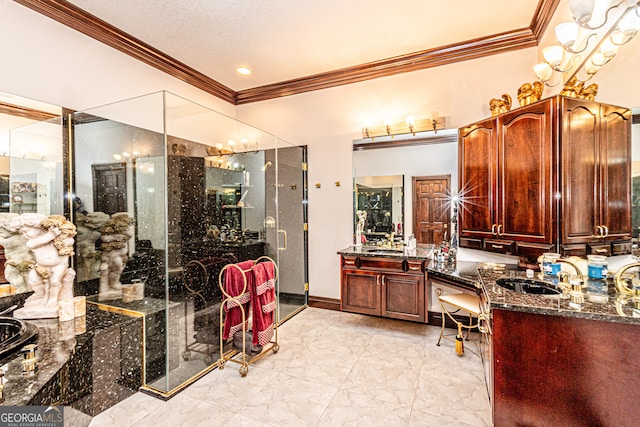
[(287, 39)]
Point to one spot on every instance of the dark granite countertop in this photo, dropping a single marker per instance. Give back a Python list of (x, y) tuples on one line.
[(422, 252), (463, 273), (56, 342), (600, 302)]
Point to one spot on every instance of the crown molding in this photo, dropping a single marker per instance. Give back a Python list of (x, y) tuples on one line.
[(542, 16), (82, 21), (476, 48), (27, 113)]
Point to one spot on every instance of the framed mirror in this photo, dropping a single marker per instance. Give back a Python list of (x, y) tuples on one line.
[(382, 199)]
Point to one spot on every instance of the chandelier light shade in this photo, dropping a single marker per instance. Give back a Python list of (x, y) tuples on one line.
[(582, 10), (543, 71), (567, 34), (600, 27), (553, 55)]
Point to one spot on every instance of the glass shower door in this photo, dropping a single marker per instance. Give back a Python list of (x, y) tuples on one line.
[(291, 205)]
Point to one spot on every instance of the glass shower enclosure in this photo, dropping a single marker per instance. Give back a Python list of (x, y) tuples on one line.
[(166, 193)]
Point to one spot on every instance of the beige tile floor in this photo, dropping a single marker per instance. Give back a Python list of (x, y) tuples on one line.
[(333, 369)]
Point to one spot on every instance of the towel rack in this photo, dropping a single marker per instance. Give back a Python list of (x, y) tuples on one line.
[(235, 355)]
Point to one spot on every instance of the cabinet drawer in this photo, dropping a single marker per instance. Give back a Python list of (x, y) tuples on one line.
[(466, 242), (501, 246), (574, 250), (350, 262), (621, 248), (533, 250), (381, 264), (414, 266), (599, 249)]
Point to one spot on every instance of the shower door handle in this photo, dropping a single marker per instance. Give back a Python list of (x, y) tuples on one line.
[(284, 240)]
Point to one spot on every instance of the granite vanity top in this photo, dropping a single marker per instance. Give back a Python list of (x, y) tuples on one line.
[(422, 252), (463, 273), (601, 300)]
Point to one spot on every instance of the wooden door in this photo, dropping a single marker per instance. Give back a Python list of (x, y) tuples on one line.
[(109, 188), (525, 187), (615, 171), (431, 208), (477, 159)]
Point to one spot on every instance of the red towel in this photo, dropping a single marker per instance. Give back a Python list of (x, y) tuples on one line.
[(263, 302), (234, 285)]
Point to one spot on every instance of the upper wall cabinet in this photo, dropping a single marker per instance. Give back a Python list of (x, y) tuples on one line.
[(556, 169), (506, 181), (596, 176)]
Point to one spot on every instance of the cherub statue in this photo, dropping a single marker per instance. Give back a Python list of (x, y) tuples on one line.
[(51, 241), (529, 93), (19, 257), (572, 88), (115, 251), (499, 106), (589, 92), (89, 227)]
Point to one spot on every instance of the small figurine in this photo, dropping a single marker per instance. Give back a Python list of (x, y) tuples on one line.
[(115, 251), (572, 88), (589, 92), (529, 93), (499, 106), (51, 241)]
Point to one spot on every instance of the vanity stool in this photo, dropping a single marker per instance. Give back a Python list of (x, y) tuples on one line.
[(454, 303)]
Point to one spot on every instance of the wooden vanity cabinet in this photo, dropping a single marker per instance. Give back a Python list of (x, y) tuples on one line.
[(388, 287), (506, 171), (556, 171)]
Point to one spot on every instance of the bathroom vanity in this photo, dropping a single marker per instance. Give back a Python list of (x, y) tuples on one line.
[(389, 286), (550, 361), (547, 360), (396, 282)]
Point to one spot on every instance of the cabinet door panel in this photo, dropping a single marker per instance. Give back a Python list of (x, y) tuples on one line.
[(525, 148), (477, 159), (579, 170), (403, 297), (616, 171), (361, 292)]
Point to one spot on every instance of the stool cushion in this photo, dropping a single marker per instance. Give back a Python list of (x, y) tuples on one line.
[(466, 302)]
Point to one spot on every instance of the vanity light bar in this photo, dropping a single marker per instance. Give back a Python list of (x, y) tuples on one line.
[(403, 128)]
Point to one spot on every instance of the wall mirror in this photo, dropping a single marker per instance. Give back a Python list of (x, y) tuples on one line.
[(382, 199), (30, 180)]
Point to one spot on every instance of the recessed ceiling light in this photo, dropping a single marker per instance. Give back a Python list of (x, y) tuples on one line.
[(243, 70)]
